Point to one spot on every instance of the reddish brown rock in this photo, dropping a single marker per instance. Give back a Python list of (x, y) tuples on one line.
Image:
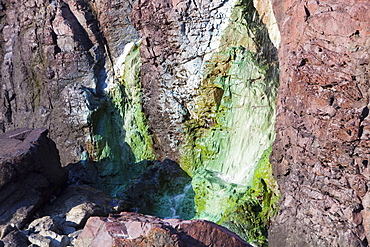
[(320, 156), (56, 59), (132, 229), (30, 171)]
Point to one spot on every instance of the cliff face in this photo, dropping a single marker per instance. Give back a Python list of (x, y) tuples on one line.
[(320, 156), (194, 81), (210, 76), (56, 60)]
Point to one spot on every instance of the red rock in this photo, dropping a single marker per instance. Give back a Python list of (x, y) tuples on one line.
[(320, 156), (132, 229)]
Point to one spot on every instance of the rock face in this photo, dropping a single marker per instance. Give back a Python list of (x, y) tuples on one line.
[(132, 229), (205, 74), (210, 75), (56, 59), (321, 153), (30, 171)]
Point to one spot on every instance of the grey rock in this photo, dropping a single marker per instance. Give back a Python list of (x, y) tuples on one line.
[(15, 239), (40, 240), (45, 223), (78, 202), (56, 58), (49, 238)]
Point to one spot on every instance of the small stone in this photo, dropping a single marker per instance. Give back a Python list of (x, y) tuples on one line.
[(39, 240), (45, 223)]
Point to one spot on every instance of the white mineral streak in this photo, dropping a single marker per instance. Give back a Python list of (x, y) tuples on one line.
[(200, 37), (264, 8)]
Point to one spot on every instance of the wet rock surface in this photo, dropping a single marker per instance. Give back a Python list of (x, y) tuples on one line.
[(30, 171), (164, 189), (132, 229), (321, 153)]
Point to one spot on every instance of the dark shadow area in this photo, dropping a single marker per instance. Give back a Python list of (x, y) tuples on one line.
[(164, 190)]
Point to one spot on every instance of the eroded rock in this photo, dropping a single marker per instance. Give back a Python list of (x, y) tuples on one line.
[(56, 59)]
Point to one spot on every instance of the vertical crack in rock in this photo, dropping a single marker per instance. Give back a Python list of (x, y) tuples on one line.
[(320, 156)]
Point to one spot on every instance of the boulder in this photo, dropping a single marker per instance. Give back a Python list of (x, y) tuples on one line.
[(133, 229), (77, 203), (14, 239), (30, 171)]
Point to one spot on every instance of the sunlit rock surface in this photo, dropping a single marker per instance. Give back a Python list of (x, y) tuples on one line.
[(56, 60), (210, 76), (194, 82), (132, 229), (321, 153)]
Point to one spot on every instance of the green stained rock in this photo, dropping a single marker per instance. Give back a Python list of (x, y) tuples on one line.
[(231, 128), (120, 139), (250, 217)]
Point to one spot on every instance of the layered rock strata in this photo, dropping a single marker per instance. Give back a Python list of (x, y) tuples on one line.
[(321, 153)]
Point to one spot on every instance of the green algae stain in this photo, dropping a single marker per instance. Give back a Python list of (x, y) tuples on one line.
[(232, 127), (250, 217), (120, 139)]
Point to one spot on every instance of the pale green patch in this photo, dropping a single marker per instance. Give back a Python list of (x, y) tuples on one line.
[(231, 128)]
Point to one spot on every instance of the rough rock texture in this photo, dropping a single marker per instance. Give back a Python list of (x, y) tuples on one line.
[(210, 77), (57, 58), (14, 239), (30, 171), (77, 203), (176, 36), (132, 229), (321, 153)]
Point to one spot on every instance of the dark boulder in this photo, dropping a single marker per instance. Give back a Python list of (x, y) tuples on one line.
[(30, 171)]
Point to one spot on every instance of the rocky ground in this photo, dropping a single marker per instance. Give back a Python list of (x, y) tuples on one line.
[(43, 204)]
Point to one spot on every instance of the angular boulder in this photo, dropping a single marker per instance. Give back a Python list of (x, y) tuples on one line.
[(30, 171), (132, 229), (77, 203)]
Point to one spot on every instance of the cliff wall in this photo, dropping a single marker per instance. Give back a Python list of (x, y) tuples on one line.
[(320, 156), (122, 83)]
